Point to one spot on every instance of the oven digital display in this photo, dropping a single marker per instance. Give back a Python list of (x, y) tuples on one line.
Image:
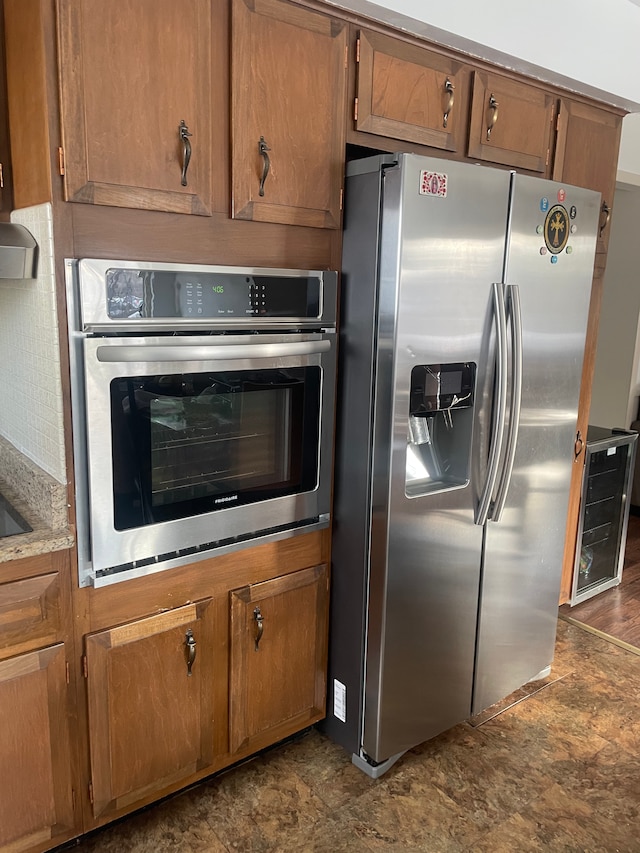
[(132, 294)]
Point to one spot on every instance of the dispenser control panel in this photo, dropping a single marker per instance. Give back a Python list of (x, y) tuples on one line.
[(441, 387)]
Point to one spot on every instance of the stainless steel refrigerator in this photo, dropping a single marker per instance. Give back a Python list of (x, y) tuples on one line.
[(465, 295)]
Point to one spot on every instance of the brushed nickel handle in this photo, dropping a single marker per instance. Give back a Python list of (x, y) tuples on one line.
[(179, 351), (183, 132), (514, 317), (493, 106), (257, 615), (266, 163), (501, 384), (190, 643), (606, 210), (448, 87)]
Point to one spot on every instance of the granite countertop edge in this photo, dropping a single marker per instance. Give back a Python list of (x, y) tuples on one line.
[(41, 540), (40, 499)]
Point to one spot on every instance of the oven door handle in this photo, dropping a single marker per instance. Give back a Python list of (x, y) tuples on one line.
[(128, 353)]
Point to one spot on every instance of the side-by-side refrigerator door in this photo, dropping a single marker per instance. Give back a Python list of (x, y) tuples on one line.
[(442, 250), (548, 283)]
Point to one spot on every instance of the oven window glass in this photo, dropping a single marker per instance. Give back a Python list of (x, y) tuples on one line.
[(187, 444)]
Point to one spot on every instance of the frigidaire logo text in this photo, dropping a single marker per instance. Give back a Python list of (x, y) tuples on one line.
[(226, 499)]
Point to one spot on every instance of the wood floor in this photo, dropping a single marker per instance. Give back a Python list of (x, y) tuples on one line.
[(616, 611)]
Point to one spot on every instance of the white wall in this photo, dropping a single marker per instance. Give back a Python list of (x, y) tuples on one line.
[(591, 42), (616, 384), (629, 160)]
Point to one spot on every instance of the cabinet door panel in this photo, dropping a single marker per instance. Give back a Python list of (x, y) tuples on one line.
[(410, 93), (36, 801), (587, 154), (288, 76), (130, 73), (30, 611), (511, 123), (278, 657), (141, 695)]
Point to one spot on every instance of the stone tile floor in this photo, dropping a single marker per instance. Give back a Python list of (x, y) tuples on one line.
[(555, 769)]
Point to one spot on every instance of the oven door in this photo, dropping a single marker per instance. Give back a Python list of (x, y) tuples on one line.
[(198, 442)]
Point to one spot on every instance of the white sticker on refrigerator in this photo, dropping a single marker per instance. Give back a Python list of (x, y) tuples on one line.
[(433, 183), (339, 701)]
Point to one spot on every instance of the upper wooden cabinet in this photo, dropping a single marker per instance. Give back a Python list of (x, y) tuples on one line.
[(6, 198), (410, 93), (511, 123), (135, 83), (587, 154), (288, 76), (151, 695), (278, 657)]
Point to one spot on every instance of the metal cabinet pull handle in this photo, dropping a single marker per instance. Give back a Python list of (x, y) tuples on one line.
[(448, 87), (184, 134), (578, 447), (607, 216), (257, 615), (190, 643), (493, 106), (266, 163)]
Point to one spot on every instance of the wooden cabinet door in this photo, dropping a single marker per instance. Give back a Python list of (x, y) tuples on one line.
[(151, 714), (407, 92), (587, 154), (288, 73), (36, 798), (6, 195), (278, 657), (511, 123), (130, 73)]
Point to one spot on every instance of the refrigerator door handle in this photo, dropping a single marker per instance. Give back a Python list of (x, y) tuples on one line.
[(515, 317), (495, 445)]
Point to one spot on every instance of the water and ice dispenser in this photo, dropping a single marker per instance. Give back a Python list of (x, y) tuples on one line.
[(440, 425)]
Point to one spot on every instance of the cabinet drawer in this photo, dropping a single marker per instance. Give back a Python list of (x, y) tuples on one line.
[(30, 611)]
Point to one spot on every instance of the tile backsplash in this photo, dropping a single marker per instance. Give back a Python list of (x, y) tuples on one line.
[(30, 384)]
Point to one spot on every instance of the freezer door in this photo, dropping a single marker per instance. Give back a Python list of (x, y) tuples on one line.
[(441, 251), (550, 258)]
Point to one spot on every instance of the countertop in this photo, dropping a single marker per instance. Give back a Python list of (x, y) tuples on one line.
[(40, 500)]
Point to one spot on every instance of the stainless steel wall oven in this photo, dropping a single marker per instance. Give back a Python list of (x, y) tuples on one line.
[(203, 403)]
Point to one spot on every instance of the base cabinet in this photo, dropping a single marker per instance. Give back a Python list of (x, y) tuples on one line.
[(151, 701), (36, 806), (278, 657)]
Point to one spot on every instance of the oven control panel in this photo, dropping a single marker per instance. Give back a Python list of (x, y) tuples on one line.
[(133, 294)]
